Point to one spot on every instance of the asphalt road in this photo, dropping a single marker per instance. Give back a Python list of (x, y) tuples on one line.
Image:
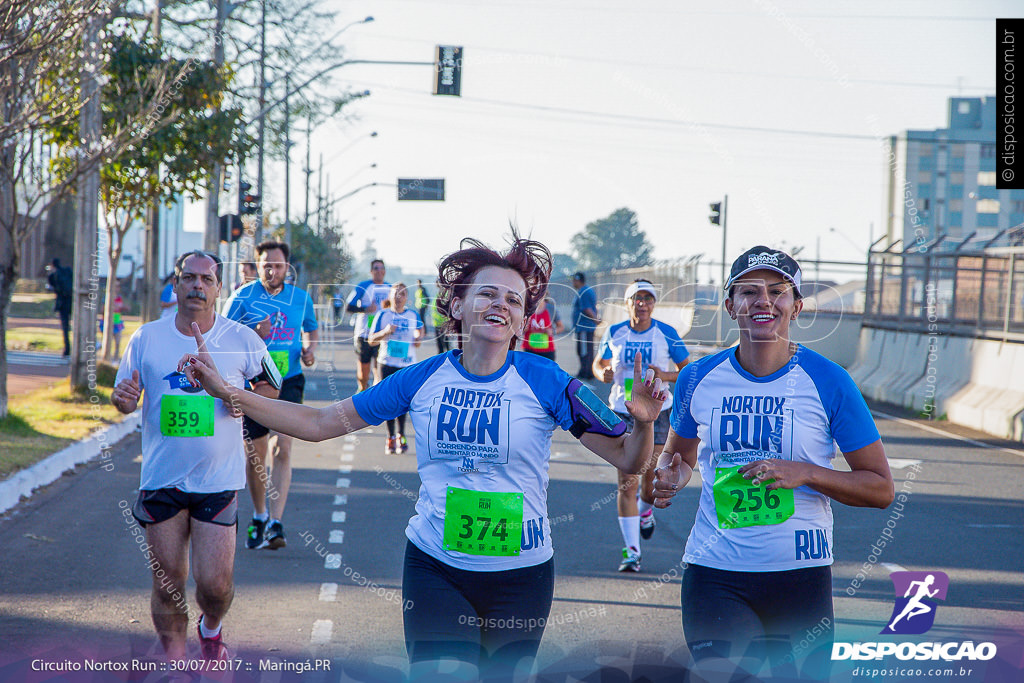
[(75, 587)]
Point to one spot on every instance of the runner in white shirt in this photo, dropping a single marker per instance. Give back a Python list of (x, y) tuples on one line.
[(762, 421), (396, 333), (193, 460), (478, 568), (366, 301), (661, 349)]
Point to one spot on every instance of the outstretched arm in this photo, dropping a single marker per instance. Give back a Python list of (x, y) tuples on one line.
[(675, 467), (293, 419)]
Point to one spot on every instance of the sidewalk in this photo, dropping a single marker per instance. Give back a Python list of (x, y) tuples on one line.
[(31, 370)]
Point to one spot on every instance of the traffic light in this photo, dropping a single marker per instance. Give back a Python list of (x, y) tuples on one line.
[(716, 213), (248, 202), (231, 228)]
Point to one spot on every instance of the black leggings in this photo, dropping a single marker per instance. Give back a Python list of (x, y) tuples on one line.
[(783, 617), (488, 619), (386, 370)]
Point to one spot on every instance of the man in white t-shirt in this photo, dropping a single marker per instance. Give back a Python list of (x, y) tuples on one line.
[(193, 460)]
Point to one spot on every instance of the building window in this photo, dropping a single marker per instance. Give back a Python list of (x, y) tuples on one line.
[(956, 205), (963, 107), (958, 151), (988, 206), (988, 152), (924, 177), (987, 178), (956, 178), (1018, 206)]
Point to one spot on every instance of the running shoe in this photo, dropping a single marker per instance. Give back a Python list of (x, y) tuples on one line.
[(403, 445), (630, 560), (213, 649), (391, 445), (647, 524), (254, 536), (275, 536)]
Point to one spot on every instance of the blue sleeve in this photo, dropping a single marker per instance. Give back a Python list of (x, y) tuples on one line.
[(236, 308), (681, 419), (165, 294), (309, 316), (848, 416), (605, 349), (677, 350), (589, 299), (391, 397), (355, 299), (378, 322), (548, 382), (572, 404)]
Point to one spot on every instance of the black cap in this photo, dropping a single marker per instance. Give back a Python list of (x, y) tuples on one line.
[(578, 275), (764, 258)]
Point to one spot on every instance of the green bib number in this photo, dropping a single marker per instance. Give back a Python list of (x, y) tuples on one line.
[(398, 349), (740, 503), (186, 415), (537, 340), (483, 522), (282, 359)]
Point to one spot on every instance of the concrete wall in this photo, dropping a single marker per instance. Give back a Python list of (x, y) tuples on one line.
[(977, 383)]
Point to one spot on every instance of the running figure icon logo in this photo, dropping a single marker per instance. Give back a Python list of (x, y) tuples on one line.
[(917, 596)]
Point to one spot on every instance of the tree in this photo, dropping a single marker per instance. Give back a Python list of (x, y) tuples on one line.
[(611, 243), (164, 162), (43, 47), (562, 267), (323, 258)]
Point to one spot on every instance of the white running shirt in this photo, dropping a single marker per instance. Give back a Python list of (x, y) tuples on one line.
[(194, 464), (798, 413), (659, 345)]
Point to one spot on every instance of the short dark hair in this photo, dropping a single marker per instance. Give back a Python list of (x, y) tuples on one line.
[(579, 276), (531, 260), (180, 263), (377, 260), (266, 245)]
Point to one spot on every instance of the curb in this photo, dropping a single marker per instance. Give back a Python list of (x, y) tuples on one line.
[(50, 469)]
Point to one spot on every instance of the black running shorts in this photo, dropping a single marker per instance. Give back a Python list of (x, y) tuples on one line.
[(153, 507)]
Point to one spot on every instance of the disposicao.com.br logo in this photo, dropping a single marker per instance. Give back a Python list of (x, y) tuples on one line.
[(913, 613)]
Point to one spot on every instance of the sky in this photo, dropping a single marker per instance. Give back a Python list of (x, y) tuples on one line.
[(571, 109)]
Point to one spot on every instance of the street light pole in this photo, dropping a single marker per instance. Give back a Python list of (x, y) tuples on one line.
[(262, 103), (287, 167), (721, 309)]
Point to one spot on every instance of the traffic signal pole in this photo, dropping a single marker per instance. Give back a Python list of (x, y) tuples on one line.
[(719, 216)]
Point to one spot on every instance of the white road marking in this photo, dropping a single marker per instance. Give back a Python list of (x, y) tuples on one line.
[(900, 463), (345, 469), (338, 516), (893, 567), (559, 455), (328, 592), (341, 499), (993, 526), (332, 561), (343, 483), (337, 536), (347, 457), (349, 446), (321, 633), (351, 438), (933, 430)]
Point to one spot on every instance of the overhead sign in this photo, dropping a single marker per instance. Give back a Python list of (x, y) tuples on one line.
[(421, 189), (448, 70)]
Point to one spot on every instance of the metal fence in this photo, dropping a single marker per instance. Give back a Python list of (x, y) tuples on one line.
[(972, 294)]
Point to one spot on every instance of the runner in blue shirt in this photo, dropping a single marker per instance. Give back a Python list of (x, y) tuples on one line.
[(478, 570), (283, 316), (762, 421)]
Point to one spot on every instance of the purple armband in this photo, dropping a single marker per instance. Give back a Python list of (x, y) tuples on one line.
[(589, 414)]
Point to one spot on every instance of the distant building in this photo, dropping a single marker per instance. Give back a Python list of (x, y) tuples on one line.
[(942, 183)]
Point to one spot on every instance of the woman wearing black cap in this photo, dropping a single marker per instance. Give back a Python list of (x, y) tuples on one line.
[(762, 420)]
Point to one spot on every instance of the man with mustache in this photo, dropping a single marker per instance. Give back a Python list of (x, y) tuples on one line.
[(283, 316), (193, 459)]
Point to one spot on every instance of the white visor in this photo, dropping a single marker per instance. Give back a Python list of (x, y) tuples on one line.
[(641, 287)]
